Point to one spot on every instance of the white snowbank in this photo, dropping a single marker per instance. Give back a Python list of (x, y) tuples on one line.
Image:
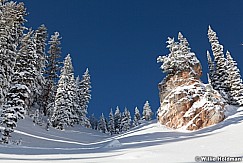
[(149, 142), (113, 144)]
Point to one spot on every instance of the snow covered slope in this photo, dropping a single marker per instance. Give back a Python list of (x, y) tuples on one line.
[(149, 142)]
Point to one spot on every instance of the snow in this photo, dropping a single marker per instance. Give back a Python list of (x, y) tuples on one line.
[(113, 144), (149, 142)]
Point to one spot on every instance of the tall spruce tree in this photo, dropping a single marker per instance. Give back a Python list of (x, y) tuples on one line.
[(65, 113), (93, 122), (11, 31), (117, 120), (137, 117), (235, 81), (211, 68), (111, 124), (147, 112), (102, 124), (40, 37), (20, 95), (52, 69), (220, 76), (126, 120), (84, 97)]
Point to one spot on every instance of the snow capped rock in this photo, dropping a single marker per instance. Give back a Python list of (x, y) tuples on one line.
[(184, 100)]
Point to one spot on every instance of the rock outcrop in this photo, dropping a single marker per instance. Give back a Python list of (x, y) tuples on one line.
[(185, 102)]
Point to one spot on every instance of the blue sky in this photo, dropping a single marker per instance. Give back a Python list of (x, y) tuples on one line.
[(119, 41)]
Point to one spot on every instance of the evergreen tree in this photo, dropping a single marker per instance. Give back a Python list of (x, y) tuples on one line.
[(180, 57), (84, 97), (147, 112), (25, 71), (184, 45), (20, 95), (234, 78), (93, 122), (137, 117), (102, 124), (111, 124), (11, 30), (220, 76), (52, 69), (14, 109), (117, 120), (211, 69), (40, 37), (126, 120), (65, 113)]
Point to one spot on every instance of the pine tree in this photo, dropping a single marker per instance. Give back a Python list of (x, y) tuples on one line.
[(211, 68), (65, 113), (117, 120), (184, 45), (14, 109), (220, 76), (40, 36), (12, 94), (147, 112), (93, 122), (126, 120), (11, 30), (180, 57), (20, 95), (52, 69), (235, 81), (84, 97), (137, 117), (111, 124), (25, 69), (102, 124)]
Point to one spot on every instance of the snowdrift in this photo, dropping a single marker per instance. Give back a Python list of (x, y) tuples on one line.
[(150, 141)]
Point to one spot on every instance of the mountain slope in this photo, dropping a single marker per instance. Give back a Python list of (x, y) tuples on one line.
[(148, 142)]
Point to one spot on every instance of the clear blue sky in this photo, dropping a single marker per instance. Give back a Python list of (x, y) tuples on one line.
[(119, 41)]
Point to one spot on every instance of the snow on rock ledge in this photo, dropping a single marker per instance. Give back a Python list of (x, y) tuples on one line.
[(186, 102)]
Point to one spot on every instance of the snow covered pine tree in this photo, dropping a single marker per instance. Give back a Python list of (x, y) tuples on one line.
[(137, 117), (11, 30), (117, 120), (235, 81), (111, 124), (65, 113), (223, 72), (219, 78), (102, 124), (40, 37), (93, 122), (147, 112), (51, 74), (126, 120), (84, 96), (20, 96)]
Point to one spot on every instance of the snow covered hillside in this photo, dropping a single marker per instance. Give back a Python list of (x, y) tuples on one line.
[(148, 142)]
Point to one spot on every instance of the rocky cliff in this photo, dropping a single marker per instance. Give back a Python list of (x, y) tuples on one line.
[(185, 102)]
